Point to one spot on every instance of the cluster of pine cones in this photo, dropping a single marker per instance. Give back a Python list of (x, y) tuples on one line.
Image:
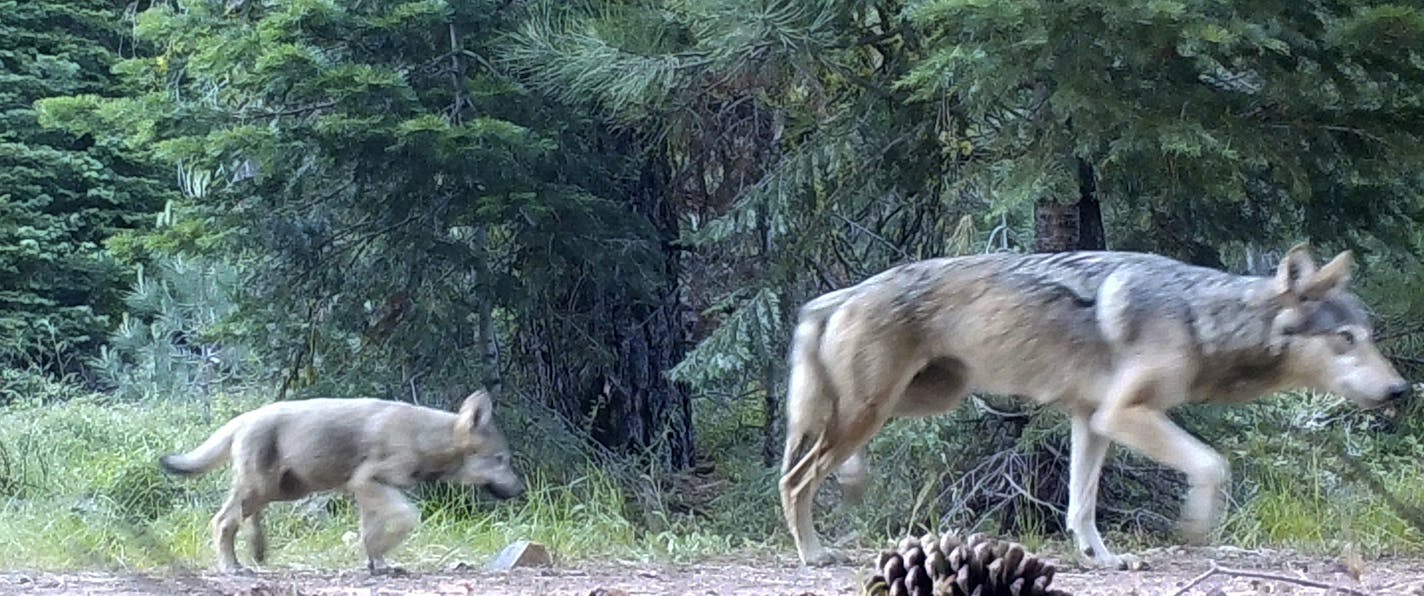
[(944, 566)]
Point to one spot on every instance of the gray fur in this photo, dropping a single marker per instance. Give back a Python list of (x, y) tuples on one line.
[(370, 448), (1114, 339)]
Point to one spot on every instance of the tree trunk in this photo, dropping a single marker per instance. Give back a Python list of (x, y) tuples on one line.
[(1090, 212), (605, 372), (1061, 227)]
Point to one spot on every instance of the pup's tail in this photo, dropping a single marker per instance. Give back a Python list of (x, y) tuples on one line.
[(212, 454)]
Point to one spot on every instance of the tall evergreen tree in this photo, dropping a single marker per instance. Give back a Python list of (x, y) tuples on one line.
[(797, 166), (62, 196), (406, 209)]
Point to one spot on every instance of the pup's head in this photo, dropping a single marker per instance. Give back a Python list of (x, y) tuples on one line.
[(487, 461), (1324, 333)]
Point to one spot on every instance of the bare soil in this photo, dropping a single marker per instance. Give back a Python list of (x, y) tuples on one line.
[(1167, 571)]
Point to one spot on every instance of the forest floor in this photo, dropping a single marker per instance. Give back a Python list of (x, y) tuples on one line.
[(1168, 570)]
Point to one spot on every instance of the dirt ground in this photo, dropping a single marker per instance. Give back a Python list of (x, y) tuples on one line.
[(1168, 570)]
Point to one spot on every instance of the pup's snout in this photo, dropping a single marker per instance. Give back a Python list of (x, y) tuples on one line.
[(506, 491), (1399, 392)]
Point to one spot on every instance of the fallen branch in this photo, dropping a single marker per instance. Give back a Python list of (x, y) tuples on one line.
[(1246, 573)]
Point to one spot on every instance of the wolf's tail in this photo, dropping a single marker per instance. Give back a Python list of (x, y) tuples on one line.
[(811, 398), (212, 454)]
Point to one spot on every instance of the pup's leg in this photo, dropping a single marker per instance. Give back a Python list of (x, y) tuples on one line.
[(386, 519), (225, 525), (1089, 452), (1131, 417), (259, 535)]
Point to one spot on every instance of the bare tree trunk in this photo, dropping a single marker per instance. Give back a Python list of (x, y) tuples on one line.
[(1090, 212), (772, 418), (1061, 227), (606, 372), (493, 379)]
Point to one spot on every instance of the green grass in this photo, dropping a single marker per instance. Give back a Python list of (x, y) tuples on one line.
[(1302, 505), (79, 488)]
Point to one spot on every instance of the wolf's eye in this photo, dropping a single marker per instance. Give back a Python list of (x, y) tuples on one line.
[(1347, 337)]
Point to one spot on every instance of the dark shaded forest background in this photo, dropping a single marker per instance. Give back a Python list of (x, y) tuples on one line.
[(608, 212)]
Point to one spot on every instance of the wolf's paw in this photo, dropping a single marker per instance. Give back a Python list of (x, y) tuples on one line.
[(826, 558), (1122, 562), (237, 570)]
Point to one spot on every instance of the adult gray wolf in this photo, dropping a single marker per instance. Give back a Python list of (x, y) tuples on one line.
[(370, 448), (1114, 339)]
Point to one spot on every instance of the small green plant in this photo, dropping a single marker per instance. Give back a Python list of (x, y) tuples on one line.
[(139, 489)]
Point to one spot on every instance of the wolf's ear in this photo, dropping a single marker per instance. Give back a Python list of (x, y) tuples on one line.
[(1296, 268), (1334, 275), (474, 413)]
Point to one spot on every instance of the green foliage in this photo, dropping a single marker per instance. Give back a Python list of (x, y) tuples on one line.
[(138, 489), (413, 197), (397, 197), (176, 338), (62, 196), (1206, 121)]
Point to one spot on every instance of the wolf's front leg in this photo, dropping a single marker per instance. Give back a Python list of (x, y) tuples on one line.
[(386, 519), (1148, 431), (1089, 451)]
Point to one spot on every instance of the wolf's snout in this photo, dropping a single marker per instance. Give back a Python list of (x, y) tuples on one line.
[(1399, 392)]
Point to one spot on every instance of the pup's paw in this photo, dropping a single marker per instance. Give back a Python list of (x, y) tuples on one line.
[(1195, 531), (826, 558), (390, 572)]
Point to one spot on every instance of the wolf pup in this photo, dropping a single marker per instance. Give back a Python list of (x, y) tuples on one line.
[(1113, 339), (370, 448)]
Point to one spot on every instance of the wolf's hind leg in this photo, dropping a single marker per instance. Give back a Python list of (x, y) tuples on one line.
[(798, 494), (259, 535)]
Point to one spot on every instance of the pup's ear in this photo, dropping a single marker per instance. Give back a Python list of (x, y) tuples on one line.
[(475, 413), (1334, 275), (1296, 268)]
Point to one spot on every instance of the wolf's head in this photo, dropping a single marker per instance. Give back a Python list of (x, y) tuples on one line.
[(485, 450), (1324, 332)]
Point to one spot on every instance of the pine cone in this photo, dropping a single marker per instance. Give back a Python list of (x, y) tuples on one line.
[(945, 566)]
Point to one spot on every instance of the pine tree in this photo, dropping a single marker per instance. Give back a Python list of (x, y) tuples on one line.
[(62, 196), (799, 168), (408, 214)]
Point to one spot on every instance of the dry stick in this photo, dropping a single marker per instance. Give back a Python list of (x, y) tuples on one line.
[(1196, 580), (1229, 572)]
